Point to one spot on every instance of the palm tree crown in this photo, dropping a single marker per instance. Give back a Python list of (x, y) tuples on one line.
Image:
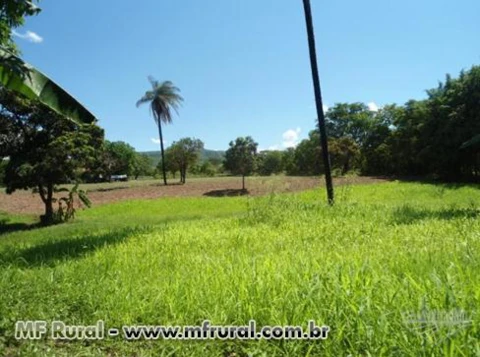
[(162, 98)]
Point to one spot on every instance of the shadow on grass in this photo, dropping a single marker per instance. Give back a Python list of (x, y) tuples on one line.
[(226, 193), (409, 215), (108, 189), (176, 183), (50, 253), (6, 227), (438, 182)]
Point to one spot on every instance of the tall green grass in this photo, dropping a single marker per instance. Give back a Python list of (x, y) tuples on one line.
[(382, 257)]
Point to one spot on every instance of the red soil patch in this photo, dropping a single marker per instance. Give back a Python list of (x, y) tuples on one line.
[(28, 203)]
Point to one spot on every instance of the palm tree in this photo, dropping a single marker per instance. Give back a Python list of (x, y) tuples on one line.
[(162, 98)]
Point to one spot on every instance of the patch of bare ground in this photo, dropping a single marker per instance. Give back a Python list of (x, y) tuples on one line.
[(25, 202)]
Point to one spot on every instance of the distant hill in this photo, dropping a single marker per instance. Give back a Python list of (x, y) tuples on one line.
[(204, 155)]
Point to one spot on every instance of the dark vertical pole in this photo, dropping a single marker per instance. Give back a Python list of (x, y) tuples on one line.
[(318, 100), (162, 150)]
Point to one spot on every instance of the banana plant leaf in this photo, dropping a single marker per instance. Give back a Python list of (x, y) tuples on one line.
[(20, 77)]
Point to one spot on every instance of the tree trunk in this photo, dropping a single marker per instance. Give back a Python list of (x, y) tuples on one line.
[(47, 198), (243, 182), (318, 100), (184, 174), (162, 151), (346, 165)]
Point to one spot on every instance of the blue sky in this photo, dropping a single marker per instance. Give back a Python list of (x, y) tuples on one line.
[(243, 65)]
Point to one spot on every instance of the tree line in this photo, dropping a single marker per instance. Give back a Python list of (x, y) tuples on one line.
[(436, 137)]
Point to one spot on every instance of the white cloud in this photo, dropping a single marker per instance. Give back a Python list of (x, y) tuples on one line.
[(157, 141), (270, 148), (325, 108), (29, 36), (290, 137), (373, 107)]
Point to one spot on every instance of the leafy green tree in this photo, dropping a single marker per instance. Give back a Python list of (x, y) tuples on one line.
[(288, 162), (241, 157), (211, 166), (163, 97), (171, 165), (208, 169), (49, 150), (345, 154), (350, 120), (270, 162), (183, 154), (215, 161), (119, 158), (376, 153), (406, 139), (142, 165), (308, 156), (380, 160), (454, 118), (429, 137)]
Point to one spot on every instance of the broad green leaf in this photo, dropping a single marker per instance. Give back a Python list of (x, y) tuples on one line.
[(20, 77)]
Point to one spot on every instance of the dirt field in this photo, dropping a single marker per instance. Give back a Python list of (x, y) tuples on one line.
[(28, 203)]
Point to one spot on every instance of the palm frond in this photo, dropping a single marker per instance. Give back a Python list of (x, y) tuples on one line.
[(147, 98), (163, 97), (162, 110), (153, 82)]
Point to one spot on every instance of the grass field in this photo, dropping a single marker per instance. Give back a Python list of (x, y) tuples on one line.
[(393, 269)]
